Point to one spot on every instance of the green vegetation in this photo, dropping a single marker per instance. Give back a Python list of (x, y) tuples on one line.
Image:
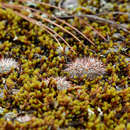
[(27, 102)]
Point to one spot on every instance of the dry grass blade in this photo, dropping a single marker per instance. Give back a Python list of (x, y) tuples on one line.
[(37, 23), (48, 20), (23, 16), (114, 13), (73, 29), (61, 21), (94, 29), (60, 37), (45, 27), (99, 20), (64, 23)]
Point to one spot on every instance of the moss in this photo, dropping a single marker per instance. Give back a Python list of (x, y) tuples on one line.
[(101, 103)]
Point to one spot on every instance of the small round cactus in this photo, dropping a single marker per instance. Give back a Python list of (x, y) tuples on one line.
[(61, 82), (90, 66), (6, 64)]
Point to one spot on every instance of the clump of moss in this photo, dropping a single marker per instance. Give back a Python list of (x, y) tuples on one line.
[(100, 103)]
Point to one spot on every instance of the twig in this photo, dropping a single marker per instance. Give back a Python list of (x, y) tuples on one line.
[(97, 19), (46, 27), (95, 30), (114, 13), (73, 29), (20, 7), (58, 35), (48, 20), (60, 21), (37, 23)]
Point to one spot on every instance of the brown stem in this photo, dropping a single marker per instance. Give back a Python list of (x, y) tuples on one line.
[(74, 29), (37, 23), (94, 30), (48, 20), (46, 27), (58, 35), (20, 7), (31, 20), (97, 19), (114, 13)]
